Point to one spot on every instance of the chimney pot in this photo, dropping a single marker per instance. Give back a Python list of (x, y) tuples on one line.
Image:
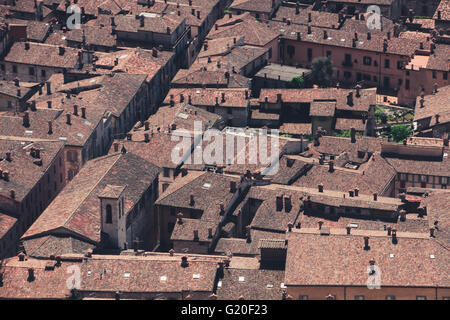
[(366, 243), (320, 187)]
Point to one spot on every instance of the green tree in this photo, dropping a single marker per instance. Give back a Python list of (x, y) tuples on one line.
[(322, 71), (400, 132), (296, 82)]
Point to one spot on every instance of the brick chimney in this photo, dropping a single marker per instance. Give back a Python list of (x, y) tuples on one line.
[(191, 200), (8, 156), (50, 127), (287, 203), (232, 186), (356, 192), (75, 110), (331, 166), (432, 233), (353, 135), (26, 119), (279, 203), (210, 233), (350, 99), (30, 275), (196, 235), (366, 243), (320, 187), (184, 262), (349, 229), (402, 215)]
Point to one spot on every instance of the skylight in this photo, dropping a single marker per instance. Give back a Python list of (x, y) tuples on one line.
[(163, 278)]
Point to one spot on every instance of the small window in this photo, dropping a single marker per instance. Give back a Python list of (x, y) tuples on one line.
[(166, 172), (445, 75), (14, 69), (434, 74), (31, 71), (444, 180), (367, 61), (43, 73), (359, 298), (108, 214), (390, 297), (310, 53), (387, 63)]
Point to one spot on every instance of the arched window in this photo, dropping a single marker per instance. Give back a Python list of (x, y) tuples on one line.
[(108, 213)]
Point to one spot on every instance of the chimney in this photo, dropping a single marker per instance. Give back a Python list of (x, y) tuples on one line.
[(210, 233), (26, 119), (180, 218), (146, 137), (354, 43), (385, 45), (394, 236), (351, 193), (49, 87), (154, 52), (349, 229), (350, 99), (320, 224), (184, 262), (309, 17), (389, 35), (366, 243), (437, 118), (196, 235), (116, 147), (358, 90), (223, 97), (439, 16), (431, 232), (356, 192), (402, 215), (389, 229), (356, 36), (221, 210), (6, 175), (30, 275), (146, 125), (68, 120), (422, 101), (61, 50), (83, 112), (325, 34), (435, 86), (12, 194), (287, 203), (248, 234), (8, 156), (369, 36), (309, 29), (191, 200), (331, 166), (446, 142), (320, 187), (353, 135), (189, 99), (297, 8), (279, 203), (232, 186), (75, 110), (129, 136)]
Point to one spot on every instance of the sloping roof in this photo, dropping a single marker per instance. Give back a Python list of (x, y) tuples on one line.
[(76, 208)]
